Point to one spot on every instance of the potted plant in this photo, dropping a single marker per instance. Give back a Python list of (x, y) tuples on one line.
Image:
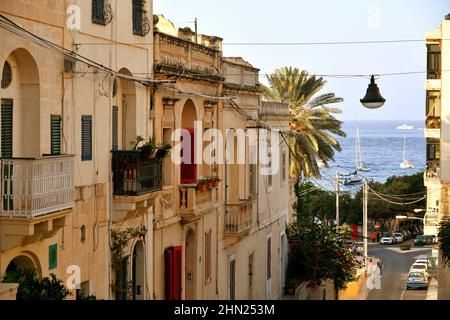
[(211, 182), (163, 150), (202, 184), (149, 148), (216, 181), (136, 142)]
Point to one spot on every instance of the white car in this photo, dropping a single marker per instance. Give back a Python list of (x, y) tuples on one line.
[(398, 237), (419, 267), (388, 240)]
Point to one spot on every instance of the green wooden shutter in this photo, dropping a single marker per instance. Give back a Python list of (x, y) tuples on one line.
[(86, 138), (52, 256), (115, 128), (55, 134), (7, 128), (98, 11)]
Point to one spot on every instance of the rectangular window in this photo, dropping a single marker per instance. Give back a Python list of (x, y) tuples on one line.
[(98, 12), (269, 258), (55, 134), (172, 273), (232, 275), (52, 256), (86, 138), (7, 128), (115, 128), (138, 15), (250, 275), (208, 256), (269, 153), (433, 61), (433, 151)]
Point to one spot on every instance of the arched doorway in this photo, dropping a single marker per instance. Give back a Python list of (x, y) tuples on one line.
[(124, 112), (138, 272), (188, 171), (20, 106), (191, 266), (20, 263)]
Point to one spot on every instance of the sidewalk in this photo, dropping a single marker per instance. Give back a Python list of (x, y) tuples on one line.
[(432, 290)]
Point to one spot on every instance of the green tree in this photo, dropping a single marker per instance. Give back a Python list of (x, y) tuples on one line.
[(33, 288), (313, 123), (317, 251)]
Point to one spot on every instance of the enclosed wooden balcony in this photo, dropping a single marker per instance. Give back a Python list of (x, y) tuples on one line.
[(239, 218)]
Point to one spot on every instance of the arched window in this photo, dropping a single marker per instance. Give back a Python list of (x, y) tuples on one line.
[(6, 75)]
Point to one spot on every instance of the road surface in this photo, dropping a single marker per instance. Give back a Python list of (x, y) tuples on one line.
[(396, 266)]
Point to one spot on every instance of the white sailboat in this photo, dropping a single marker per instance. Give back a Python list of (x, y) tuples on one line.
[(405, 164), (360, 165)]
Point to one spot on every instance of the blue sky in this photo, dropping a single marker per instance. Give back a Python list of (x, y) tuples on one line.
[(327, 21)]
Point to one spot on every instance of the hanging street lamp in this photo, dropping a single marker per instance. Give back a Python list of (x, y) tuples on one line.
[(373, 98)]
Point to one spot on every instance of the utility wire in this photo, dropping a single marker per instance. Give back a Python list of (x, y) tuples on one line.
[(278, 44)]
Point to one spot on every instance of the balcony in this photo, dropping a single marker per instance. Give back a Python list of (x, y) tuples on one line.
[(37, 194), (194, 202), (135, 173), (433, 127), (36, 187), (432, 175), (137, 178), (239, 217)]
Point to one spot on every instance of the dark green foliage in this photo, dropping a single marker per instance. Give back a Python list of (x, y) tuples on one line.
[(31, 288), (317, 251), (444, 240)]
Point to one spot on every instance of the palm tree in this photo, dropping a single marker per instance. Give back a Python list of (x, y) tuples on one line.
[(313, 126)]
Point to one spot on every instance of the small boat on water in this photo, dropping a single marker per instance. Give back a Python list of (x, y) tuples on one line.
[(352, 178), (405, 127), (405, 164), (360, 165)]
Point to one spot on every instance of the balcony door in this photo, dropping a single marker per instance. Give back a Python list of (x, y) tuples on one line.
[(188, 170)]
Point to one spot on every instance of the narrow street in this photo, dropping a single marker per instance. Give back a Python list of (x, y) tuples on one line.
[(396, 266)]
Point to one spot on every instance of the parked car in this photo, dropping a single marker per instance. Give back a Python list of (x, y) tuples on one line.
[(388, 239), (420, 240), (417, 280), (419, 267), (424, 260), (398, 237)]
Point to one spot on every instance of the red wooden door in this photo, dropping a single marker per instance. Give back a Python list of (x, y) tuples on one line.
[(168, 273), (177, 272), (189, 170), (172, 273)]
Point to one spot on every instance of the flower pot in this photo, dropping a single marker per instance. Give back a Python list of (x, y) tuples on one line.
[(161, 153), (202, 187)]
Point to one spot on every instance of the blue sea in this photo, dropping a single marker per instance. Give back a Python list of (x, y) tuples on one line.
[(381, 148)]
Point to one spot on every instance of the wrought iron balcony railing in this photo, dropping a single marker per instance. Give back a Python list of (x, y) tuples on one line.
[(141, 23), (101, 12), (135, 173)]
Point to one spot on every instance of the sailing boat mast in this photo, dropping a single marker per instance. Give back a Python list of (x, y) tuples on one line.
[(404, 147), (358, 149)]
